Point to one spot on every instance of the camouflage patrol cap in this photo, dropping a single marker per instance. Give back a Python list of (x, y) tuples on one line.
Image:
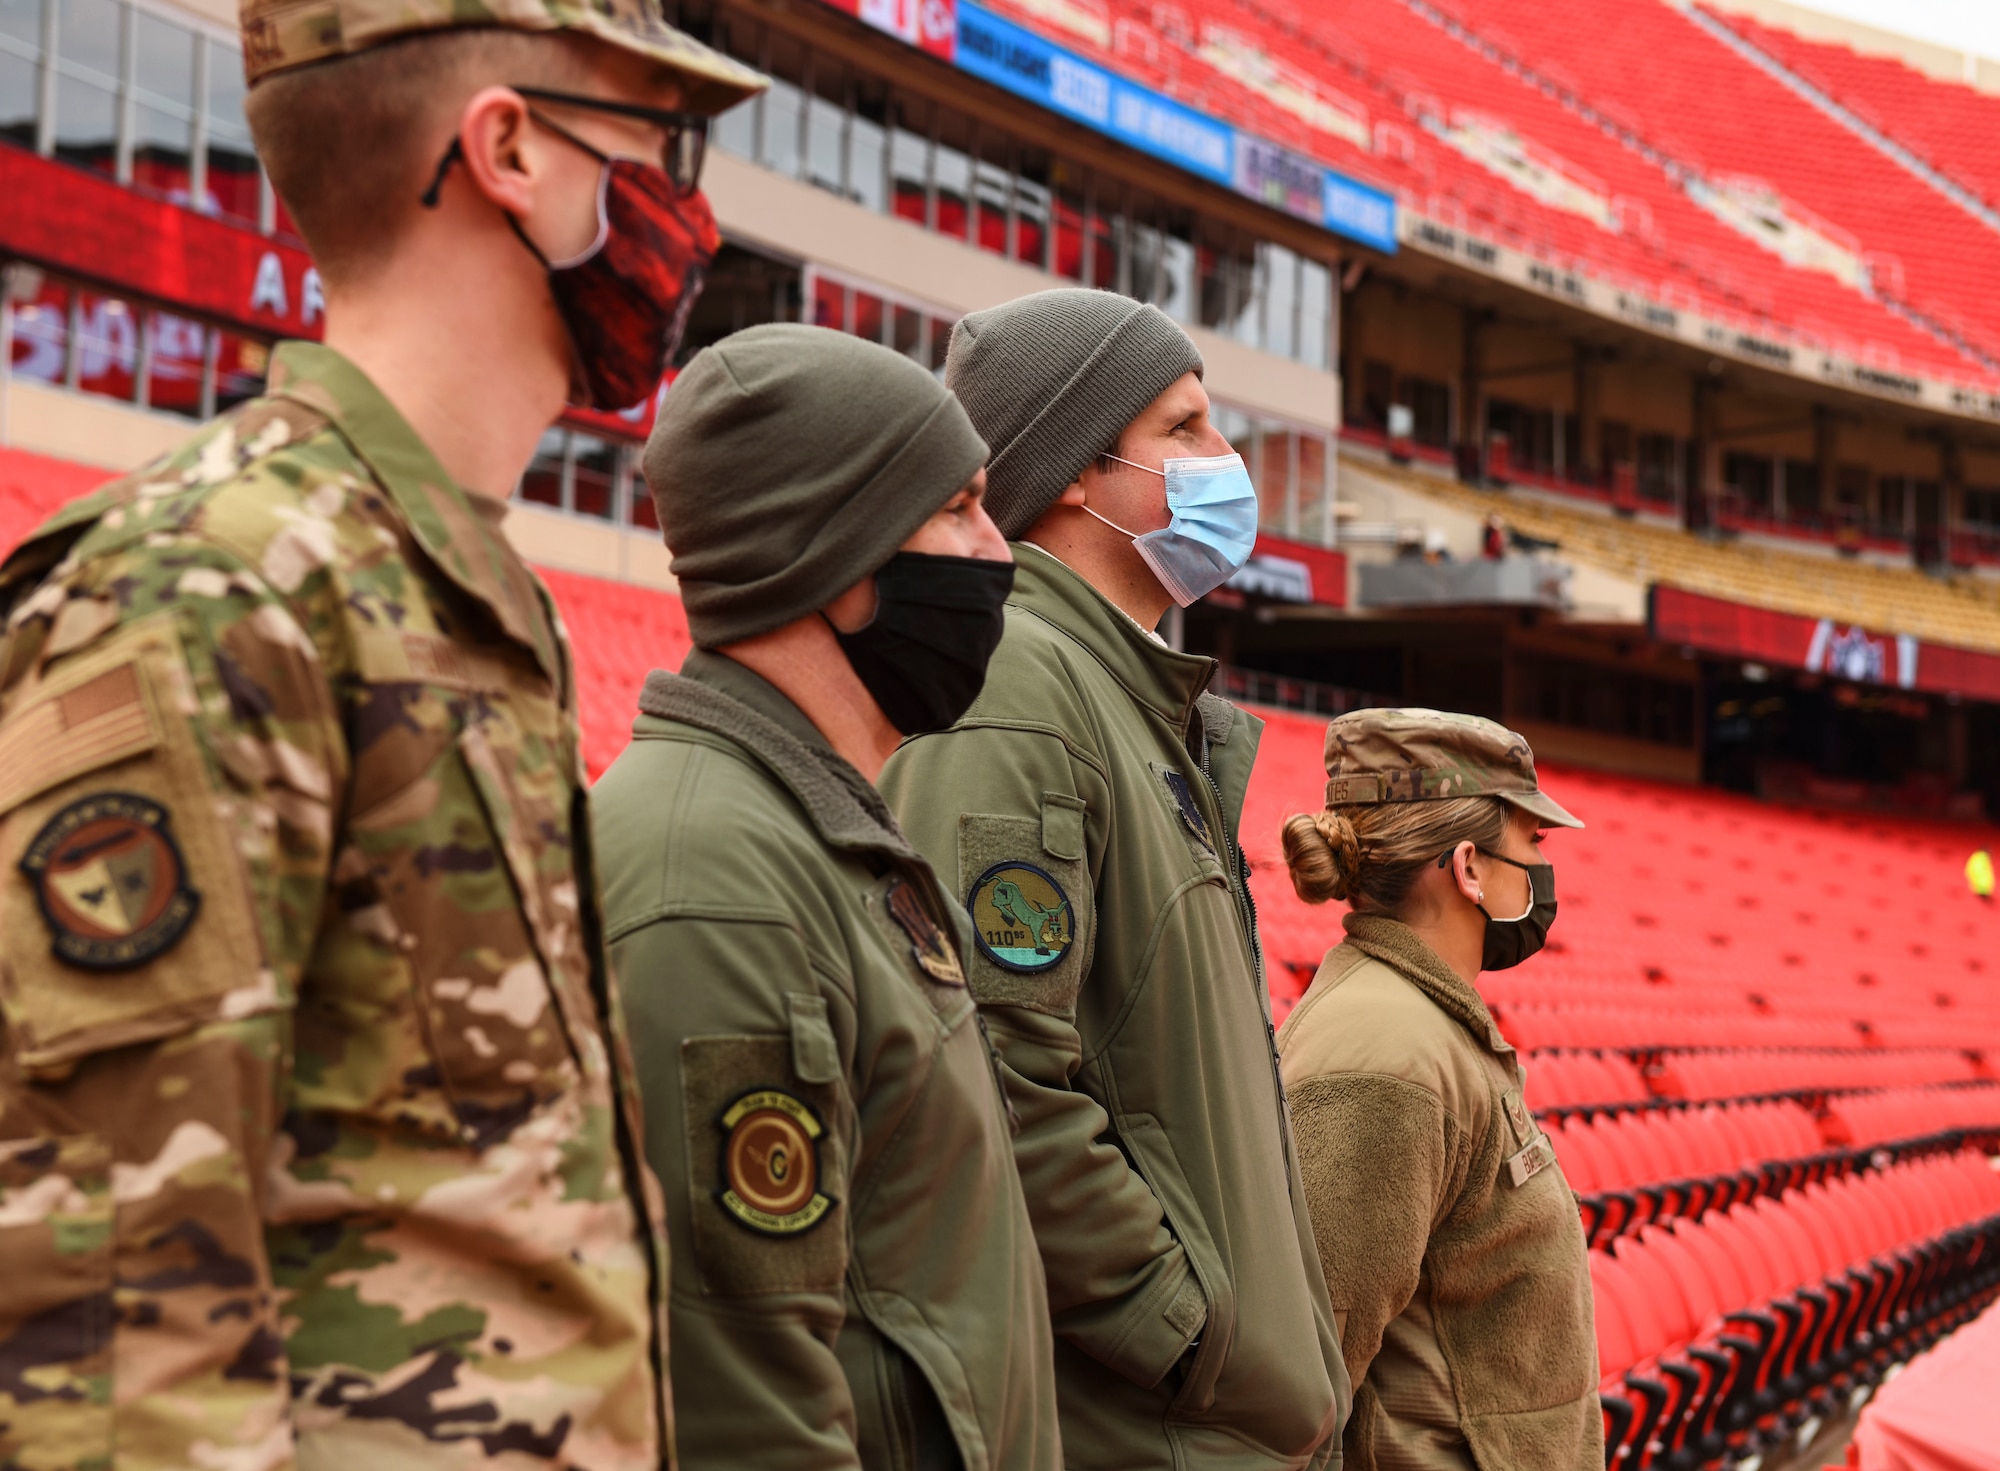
[(281, 34), (1421, 755)]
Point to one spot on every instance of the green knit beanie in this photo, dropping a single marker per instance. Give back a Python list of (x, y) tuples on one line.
[(788, 463), (1051, 381)]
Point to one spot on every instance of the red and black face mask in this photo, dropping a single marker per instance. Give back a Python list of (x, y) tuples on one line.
[(625, 299)]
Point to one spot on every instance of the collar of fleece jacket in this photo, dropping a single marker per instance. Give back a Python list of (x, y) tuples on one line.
[(1395, 944)]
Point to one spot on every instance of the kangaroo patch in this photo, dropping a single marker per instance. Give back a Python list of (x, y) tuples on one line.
[(1021, 916), (770, 1163), (111, 881)]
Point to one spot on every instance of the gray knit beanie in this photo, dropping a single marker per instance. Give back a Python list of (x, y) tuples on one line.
[(1051, 381), (788, 463)]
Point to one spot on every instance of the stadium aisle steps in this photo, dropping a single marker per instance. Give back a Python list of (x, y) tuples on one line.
[(1948, 125), (1643, 61)]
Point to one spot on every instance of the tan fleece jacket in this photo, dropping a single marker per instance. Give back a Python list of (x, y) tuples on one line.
[(1454, 1259)]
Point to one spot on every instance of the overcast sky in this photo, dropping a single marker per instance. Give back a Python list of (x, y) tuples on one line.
[(1968, 25)]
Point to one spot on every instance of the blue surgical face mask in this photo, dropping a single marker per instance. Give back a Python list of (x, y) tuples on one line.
[(1213, 505)]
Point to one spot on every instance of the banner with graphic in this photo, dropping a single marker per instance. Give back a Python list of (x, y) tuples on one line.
[(930, 24), (1286, 571), (1821, 645), (993, 48)]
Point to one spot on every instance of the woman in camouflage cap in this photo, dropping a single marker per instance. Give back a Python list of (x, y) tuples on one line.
[(1453, 1256)]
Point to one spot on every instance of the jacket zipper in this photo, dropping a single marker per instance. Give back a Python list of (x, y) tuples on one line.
[(1246, 911)]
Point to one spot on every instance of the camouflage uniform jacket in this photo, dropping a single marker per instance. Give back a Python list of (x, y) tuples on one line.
[(313, 1143)]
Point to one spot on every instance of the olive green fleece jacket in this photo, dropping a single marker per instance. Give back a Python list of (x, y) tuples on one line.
[(1450, 1238), (1094, 790), (855, 1276)]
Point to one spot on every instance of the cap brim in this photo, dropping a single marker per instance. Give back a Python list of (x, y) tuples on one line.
[(711, 82), (1551, 812)]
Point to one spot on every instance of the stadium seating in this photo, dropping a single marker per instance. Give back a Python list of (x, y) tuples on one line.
[(1960, 612), (1565, 1080), (1862, 1120), (1403, 94), (33, 486), (1720, 1334), (1950, 127), (1653, 68), (617, 634)]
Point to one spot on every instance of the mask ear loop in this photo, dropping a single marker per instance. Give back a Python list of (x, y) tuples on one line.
[(1445, 858), (1085, 506), (1444, 861), (1107, 455), (429, 198)]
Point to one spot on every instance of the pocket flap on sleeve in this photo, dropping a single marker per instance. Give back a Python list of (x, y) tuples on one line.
[(1062, 825), (815, 1054)]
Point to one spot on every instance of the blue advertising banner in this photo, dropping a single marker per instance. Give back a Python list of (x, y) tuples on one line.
[(1014, 57), (1360, 212), (997, 50)]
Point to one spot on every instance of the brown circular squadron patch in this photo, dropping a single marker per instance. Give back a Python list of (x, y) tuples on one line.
[(770, 1163), (111, 881)]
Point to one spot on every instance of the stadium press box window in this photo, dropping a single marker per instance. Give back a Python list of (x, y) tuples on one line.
[(154, 102), (843, 130)]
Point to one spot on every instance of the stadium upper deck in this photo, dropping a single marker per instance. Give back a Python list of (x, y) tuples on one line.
[(1590, 137), (1534, 270), (1949, 126)]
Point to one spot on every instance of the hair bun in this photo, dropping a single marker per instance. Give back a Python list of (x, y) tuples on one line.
[(1323, 855)]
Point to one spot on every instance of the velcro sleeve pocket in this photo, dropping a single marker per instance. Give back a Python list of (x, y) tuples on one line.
[(125, 908), (1032, 912), (766, 1167)]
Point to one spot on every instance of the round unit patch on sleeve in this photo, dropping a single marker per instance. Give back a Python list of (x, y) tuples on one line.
[(770, 1163), (1021, 916), (111, 881)]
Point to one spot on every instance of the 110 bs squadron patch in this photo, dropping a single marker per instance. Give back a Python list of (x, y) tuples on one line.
[(770, 1163), (111, 881), (1021, 916)]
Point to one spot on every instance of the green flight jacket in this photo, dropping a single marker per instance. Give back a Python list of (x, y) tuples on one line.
[(1085, 811), (858, 1283), (1450, 1238)]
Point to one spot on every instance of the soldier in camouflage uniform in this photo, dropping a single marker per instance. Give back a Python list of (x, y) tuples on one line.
[(317, 1142)]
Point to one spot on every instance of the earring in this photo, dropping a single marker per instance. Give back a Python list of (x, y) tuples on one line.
[(1482, 897)]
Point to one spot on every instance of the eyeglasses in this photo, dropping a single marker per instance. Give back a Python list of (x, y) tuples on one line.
[(686, 132)]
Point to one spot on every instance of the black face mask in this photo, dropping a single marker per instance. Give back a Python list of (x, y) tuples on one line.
[(1511, 941), (937, 622)]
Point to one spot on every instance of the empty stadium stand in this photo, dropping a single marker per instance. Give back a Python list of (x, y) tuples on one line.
[(1960, 611), (1949, 126), (1721, 1334), (1582, 133), (1661, 72)]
